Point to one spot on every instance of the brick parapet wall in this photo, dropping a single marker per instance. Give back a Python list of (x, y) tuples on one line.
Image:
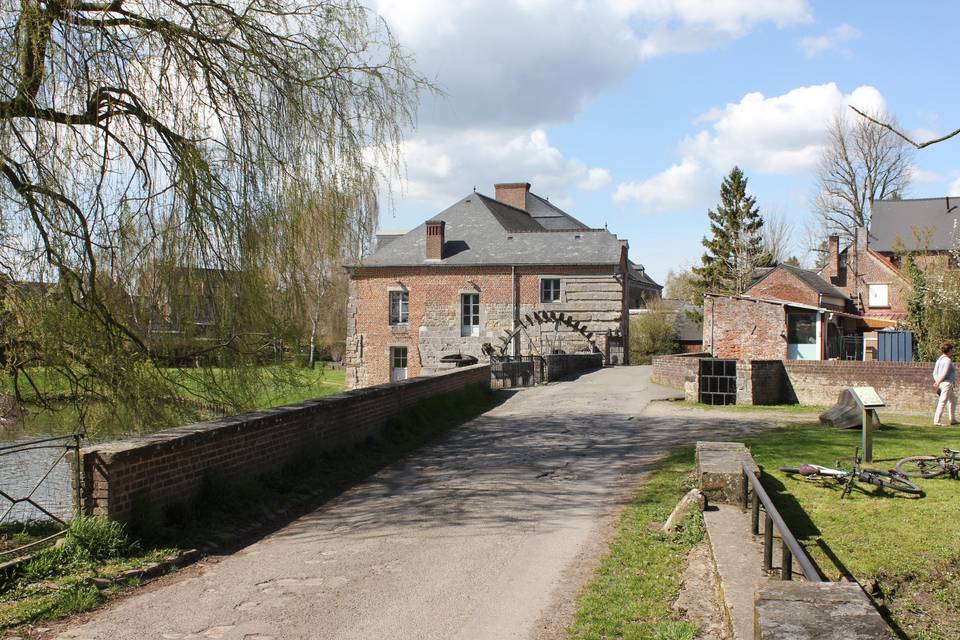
[(673, 371), (904, 386), (168, 467)]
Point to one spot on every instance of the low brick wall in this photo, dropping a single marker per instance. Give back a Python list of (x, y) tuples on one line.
[(761, 382), (674, 371), (168, 467), (561, 365), (904, 386), (529, 371)]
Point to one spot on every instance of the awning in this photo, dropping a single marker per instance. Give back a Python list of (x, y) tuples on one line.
[(878, 323)]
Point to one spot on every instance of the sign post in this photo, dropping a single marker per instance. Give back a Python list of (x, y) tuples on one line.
[(869, 401)]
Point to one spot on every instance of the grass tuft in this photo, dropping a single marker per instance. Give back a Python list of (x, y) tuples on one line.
[(631, 593)]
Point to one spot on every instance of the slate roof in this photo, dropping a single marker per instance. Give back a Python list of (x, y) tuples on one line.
[(639, 273), (549, 216), (893, 223), (480, 230), (810, 278), (688, 330)]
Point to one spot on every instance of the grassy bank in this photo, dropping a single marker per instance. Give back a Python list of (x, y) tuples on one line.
[(905, 549), (59, 581), (631, 593)]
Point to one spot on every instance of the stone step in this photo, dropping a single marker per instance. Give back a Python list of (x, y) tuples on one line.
[(738, 556)]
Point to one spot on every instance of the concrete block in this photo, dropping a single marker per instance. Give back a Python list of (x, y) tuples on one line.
[(719, 470), (816, 611)]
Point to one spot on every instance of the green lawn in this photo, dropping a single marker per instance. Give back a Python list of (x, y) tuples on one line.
[(639, 578), (910, 546), (753, 408)]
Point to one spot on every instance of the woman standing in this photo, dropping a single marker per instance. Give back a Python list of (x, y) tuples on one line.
[(944, 383)]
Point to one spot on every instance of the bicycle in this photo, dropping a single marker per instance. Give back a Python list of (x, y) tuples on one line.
[(882, 479), (931, 466)]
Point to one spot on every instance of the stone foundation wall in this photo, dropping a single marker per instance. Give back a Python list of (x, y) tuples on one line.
[(168, 467)]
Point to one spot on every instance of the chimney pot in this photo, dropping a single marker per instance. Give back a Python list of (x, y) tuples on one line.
[(513, 193), (436, 232)]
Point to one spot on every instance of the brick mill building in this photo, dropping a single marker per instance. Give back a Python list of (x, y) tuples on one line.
[(512, 275)]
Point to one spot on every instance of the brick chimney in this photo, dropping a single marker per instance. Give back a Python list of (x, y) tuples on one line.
[(435, 238), (513, 193), (833, 259)]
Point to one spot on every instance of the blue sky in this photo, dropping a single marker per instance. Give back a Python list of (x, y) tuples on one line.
[(628, 112)]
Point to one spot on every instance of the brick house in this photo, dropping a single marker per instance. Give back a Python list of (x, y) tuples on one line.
[(788, 313), (793, 313), (512, 274)]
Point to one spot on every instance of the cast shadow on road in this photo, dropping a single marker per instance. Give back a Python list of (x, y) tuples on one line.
[(508, 472)]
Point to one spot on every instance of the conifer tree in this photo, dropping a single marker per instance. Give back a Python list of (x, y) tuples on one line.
[(735, 248)]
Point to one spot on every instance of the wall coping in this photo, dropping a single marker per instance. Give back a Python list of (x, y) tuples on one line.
[(198, 431)]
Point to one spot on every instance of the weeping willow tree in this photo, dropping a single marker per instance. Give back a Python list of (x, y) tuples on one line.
[(171, 171)]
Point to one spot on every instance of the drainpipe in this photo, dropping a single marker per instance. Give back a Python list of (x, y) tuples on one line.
[(516, 310)]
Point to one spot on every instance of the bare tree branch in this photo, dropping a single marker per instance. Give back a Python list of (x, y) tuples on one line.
[(889, 127)]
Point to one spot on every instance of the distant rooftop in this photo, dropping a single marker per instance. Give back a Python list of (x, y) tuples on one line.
[(916, 224)]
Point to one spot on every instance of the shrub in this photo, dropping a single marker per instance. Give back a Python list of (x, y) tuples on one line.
[(98, 538), (652, 333)]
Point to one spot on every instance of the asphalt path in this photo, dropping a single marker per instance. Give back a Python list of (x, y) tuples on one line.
[(474, 536)]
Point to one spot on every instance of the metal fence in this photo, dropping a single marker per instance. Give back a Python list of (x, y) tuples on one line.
[(40, 483), (790, 548)]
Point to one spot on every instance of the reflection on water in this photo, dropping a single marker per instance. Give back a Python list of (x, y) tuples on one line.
[(38, 470), (47, 473)]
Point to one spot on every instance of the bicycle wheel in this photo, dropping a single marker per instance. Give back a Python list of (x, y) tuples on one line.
[(887, 480), (921, 467)]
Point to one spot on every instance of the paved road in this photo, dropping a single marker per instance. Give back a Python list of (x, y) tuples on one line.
[(473, 537)]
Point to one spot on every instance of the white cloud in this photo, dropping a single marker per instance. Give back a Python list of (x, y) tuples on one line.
[(922, 176), (680, 187), (777, 135), (954, 189), (530, 62), (596, 179), (443, 166), (834, 39)]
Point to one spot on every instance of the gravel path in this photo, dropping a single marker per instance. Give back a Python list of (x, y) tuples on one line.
[(476, 536)]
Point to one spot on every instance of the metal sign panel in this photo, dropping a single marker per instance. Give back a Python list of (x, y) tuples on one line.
[(867, 397)]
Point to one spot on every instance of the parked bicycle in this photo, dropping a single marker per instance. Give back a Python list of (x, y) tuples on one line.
[(931, 466), (849, 477)]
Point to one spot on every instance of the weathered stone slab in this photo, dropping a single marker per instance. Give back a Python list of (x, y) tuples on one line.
[(719, 470), (816, 611)]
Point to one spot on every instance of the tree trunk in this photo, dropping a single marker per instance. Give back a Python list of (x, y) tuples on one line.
[(313, 344)]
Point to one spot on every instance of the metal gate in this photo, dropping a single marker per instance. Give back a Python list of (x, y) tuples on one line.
[(718, 381)]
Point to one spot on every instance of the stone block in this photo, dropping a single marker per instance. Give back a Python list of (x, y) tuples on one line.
[(816, 611), (720, 471)]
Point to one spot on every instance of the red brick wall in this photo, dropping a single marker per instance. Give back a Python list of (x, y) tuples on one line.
[(904, 386), (672, 371), (865, 268), (739, 329), (783, 285), (169, 467), (434, 299)]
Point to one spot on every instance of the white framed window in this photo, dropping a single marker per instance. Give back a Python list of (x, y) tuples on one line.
[(398, 363), (470, 314), (550, 290), (878, 295), (399, 303)]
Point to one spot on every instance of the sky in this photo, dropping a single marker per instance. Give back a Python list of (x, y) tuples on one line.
[(628, 113)]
